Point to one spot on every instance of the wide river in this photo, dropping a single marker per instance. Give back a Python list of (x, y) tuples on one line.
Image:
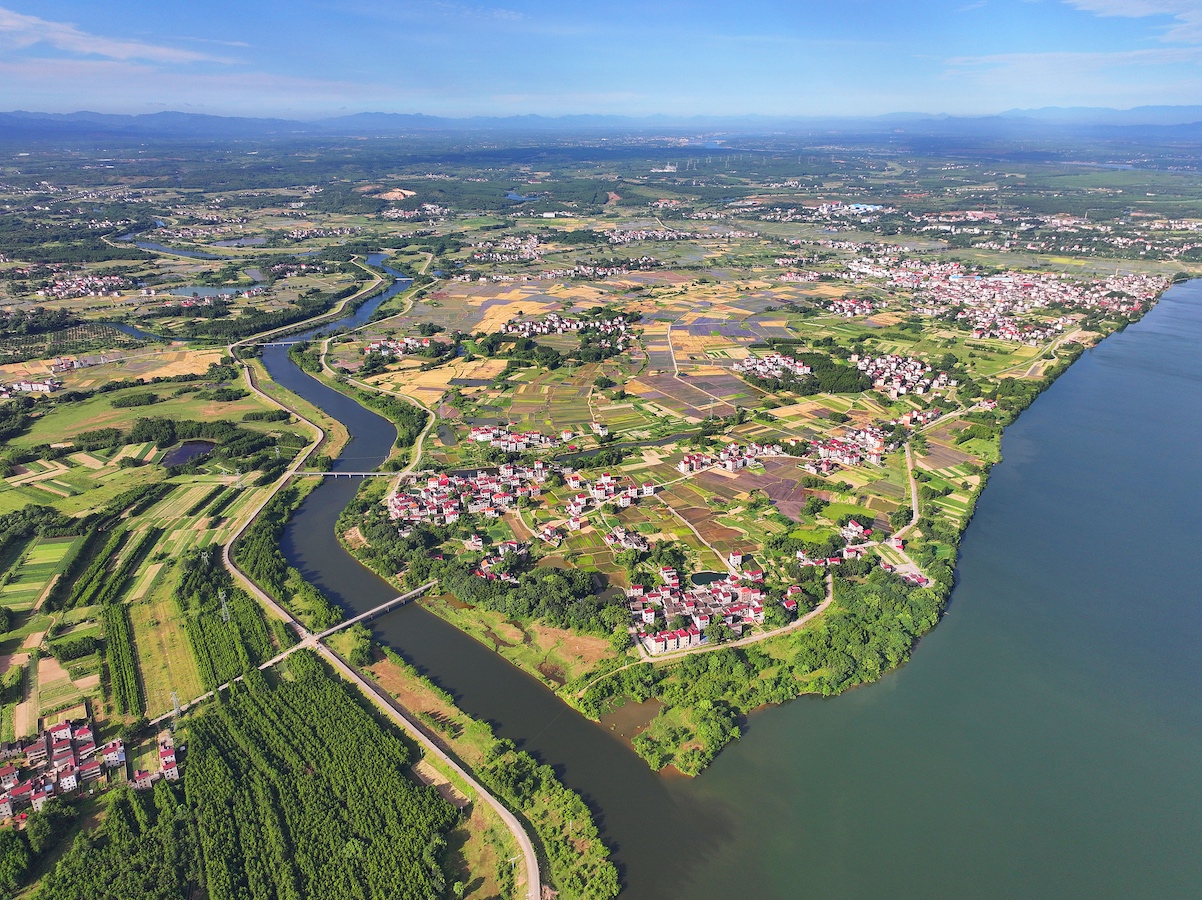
[(1046, 739)]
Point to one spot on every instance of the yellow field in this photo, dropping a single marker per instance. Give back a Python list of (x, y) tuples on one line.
[(143, 363), (428, 387)]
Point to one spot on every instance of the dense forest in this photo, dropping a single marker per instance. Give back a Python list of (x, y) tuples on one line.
[(61, 242)]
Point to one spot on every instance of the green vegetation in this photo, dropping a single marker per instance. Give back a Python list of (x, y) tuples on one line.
[(20, 850), (871, 629), (226, 628), (289, 792), (298, 792), (258, 554), (563, 825), (119, 655)]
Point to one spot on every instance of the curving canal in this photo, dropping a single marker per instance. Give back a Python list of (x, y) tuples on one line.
[(1044, 740)]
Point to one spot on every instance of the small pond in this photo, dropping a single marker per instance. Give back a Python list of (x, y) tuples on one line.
[(187, 451)]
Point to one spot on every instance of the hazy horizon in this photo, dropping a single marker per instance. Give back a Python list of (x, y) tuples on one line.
[(322, 58)]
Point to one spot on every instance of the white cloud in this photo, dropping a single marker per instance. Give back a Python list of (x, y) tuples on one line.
[(19, 30), (125, 86), (1186, 13), (1135, 77)]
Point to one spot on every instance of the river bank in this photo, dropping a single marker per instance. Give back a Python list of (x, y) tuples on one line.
[(1054, 713)]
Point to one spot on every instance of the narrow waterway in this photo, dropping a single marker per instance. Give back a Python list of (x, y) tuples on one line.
[(615, 782), (1043, 742)]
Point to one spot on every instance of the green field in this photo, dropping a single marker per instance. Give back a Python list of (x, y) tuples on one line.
[(31, 575), (68, 420)]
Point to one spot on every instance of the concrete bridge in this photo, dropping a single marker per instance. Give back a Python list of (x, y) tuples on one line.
[(348, 474)]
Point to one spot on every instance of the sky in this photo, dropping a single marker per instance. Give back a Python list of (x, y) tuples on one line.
[(308, 59)]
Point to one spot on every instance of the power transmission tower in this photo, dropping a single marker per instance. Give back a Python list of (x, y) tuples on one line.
[(225, 610)]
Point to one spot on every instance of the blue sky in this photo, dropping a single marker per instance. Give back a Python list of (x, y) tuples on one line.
[(312, 58)]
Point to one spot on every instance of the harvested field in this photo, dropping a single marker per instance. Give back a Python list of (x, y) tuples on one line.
[(940, 456), (676, 395), (431, 777), (780, 480)]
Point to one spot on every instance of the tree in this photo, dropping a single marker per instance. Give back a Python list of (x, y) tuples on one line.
[(45, 827), (814, 506), (718, 633)]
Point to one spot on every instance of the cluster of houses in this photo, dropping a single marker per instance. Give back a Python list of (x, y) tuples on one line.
[(772, 366), (195, 301), (854, 533), (732, 457), (798, 276), (1006, 328), (899, 375), (554, 323), (489, 566), (852, 449), (993, 306), (287, 270), (70, 363), (606, 489), (827, 212), (86, 286), (502, 438), (850, 307), (916, 418), (627, 236), (512, 248), (835, 451), (443, 498), (622, 539), (400, 346), (582, 270), (736, 601), (425, 211), (62, 759), (25, 386)]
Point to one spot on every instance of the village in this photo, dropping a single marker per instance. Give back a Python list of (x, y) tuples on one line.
[(65, 759), (897, 376), (553, 323)]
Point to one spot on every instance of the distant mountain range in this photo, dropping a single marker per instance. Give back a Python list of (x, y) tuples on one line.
[(1144, 122)]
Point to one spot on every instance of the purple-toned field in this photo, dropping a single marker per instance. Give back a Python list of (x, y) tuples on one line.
[(707, 327), (681, 397), (780, 481)]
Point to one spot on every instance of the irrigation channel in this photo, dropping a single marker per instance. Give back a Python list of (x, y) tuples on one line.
[(1043, 741)]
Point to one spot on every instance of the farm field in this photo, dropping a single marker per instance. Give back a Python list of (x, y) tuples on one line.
[(98, 412), (31, 576)]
